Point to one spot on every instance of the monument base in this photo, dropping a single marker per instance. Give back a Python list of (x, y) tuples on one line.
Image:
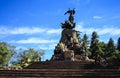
[(62, 69)]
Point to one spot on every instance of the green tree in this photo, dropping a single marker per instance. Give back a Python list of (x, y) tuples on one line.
[(103, 47), (110, 47), (6, 52), (94, 44), (85, 43), (114, 53), (26, 57), (118, 44), (85, 40)]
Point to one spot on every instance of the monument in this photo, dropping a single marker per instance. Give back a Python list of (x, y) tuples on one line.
[(69, 47)]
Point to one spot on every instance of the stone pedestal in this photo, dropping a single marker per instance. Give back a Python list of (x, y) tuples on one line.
[(68, 46)]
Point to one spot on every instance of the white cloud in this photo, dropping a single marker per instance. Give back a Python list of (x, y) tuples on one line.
[(101, 31), (34, 41), (111, 31), (48, 47), (28, 30), (54, 31), (97, 17), (21, 30)]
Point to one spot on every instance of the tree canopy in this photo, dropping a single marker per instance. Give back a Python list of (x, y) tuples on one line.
[(26, 57), (8, 55), (94, 47), (6, 52), (110, 47), (118, 44)]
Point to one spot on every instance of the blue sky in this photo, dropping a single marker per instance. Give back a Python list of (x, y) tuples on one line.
[(36, 23)]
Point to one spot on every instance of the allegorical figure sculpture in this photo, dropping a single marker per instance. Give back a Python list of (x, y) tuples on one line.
[(71, 17), (69, 24)]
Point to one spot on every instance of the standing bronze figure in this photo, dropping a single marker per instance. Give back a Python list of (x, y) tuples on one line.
[(69, 24), (71, 17)]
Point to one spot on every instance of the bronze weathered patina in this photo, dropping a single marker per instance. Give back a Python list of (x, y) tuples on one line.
[(69, 24)]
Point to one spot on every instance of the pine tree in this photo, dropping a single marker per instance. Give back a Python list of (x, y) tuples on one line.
[(85, 40), (110, 47), (118, 44), (103, 47), (112, 53), (93, 45), (85, 45)]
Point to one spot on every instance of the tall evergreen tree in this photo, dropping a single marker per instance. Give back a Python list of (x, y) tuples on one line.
[(85, 40), (110, 47), (85, 43), (103, 47), (113, 53), (118, 44), (93, 44)]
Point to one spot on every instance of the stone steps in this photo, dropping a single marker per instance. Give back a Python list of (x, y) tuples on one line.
[(58, 65), (67, 65), (60, 73), (61, 69)]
